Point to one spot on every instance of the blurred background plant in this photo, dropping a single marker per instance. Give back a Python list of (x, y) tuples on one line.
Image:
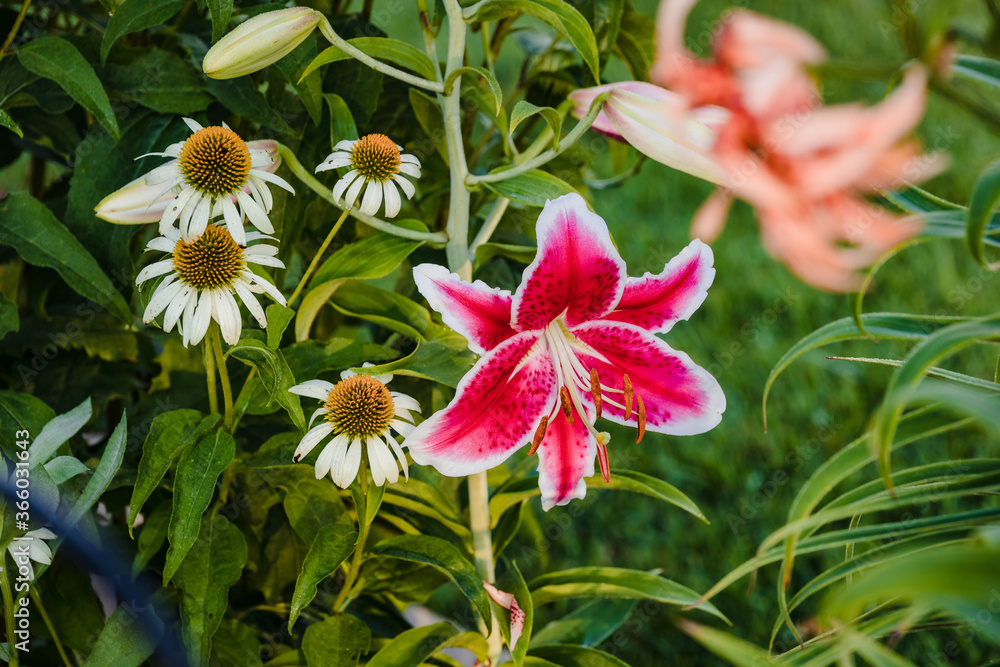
[(804, 500)]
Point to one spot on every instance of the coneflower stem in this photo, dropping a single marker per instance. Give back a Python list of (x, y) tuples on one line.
[(319, 253), (209, 361), (220, 362), (8, 613), (352, 573)]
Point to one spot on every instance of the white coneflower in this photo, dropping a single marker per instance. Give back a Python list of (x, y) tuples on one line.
[(31, 547), (202, 276), (211, 168), (359, 410), (376, 162)]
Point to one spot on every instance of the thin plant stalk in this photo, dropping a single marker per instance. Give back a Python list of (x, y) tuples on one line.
[(220, 362), (48, 624), (209, 362), (319, 253), (352, 573), (8, 615)]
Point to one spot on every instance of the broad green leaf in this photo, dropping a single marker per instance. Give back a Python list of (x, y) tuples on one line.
[(210, 568), (445, 359), (311, 504), (126, 640), (198, 468), (621, 480), (589, 625), (735, 651), (374, 256), (413, 647), (58, 431), (274, 375), (892, 326), (934, 372), (8, 122), (111, 460), (926, 354), (396, 52), (519, 253), (278, 319), (24, 412), (445, 557), (337, 641), (607, 21), (29, 227), (984, 199), (576, 656), (169, 434), (634, 44), (309, 86), (56, 59), (341, 121), (525, 109), (152, 535), (557, 13), (235, 643), (135, 15), (333, 544), (533, 188), (242, 98), (485, 75), (63, 468), (157, 79), (389, 309), (614, 582), (221, 11)]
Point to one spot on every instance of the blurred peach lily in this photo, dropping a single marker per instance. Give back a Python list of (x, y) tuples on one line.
[(575, 342)]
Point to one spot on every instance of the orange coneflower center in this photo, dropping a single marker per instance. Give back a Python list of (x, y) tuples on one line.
[(375, 156), (215, 161), (360, 406), (212, 260)]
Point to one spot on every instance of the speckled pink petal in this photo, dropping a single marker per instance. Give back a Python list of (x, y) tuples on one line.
[(656, 302), (680, 397), (496, 409), (477, 311), (576, 269), (565, 459)]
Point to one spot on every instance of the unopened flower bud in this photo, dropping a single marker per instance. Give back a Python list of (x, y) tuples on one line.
[(260, 41)]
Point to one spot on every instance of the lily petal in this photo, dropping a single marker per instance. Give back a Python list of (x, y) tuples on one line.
[(577, 269), (477, 311), (656, 302), (497, 406), (565, 458), (680, 397)]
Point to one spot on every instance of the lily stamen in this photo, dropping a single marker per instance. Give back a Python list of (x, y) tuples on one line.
[(539, 436), (629, 397), (641, 418), (595, 390)]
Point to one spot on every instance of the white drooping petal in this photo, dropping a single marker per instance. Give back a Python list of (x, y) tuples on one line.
[(317, 389), (392, 201), (354, 191), (310, 440), (406, 186), (399, 455), (341, 185), (372, 200)]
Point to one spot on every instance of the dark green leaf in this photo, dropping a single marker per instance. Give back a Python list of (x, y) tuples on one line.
[(333, 544), (445, 359), (8, 122), (278, 319), (336, 642), (125, 640), (525, 109), (198, 468), (58, 431), (981, 204), (111, 460), (211, 567), (589, 625), (56, 59), (29, 227), (135, 15), (412, 647), (576, 656), (273, 373), (485, 75), (63, 468), (169, 434), (533, 188), (157, 79), (242, 98), (445, 557), (429, 116), (222, 11), (374, 256), (341, 121)]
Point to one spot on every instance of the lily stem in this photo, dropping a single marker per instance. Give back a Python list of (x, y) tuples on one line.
[(14, 28), (317, 256), (341, 601), (220, 362), (460, 261), (209, 361), (8, 615)]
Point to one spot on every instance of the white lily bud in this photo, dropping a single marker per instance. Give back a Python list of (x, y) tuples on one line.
[(260, 41)]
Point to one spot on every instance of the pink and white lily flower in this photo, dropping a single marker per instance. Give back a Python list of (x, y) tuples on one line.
[(575, 342)]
